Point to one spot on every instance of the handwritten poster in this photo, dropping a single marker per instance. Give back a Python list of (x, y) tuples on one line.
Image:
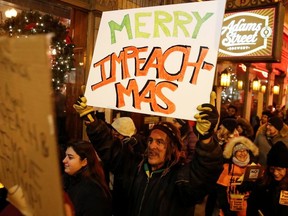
[(156, 60), (28, 153)]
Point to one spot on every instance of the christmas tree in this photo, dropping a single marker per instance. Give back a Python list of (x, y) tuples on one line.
[(61, 50)]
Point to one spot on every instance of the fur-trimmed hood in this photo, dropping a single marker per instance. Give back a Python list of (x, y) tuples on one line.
[(227, 153)]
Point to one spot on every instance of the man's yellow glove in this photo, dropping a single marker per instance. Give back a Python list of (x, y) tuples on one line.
[(86, 112), (206, 119)]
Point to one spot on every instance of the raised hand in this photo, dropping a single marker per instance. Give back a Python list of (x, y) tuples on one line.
[(207, 118), (85, 112)]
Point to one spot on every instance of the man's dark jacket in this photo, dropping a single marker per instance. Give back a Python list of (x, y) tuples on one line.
[(163, 193)]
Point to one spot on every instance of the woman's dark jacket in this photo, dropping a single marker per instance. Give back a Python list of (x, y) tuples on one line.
[(88, 197), (163, 194), (266, 199)]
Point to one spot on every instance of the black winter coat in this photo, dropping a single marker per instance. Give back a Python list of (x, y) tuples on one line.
[(87, 197), (266, 199), (173, 193)]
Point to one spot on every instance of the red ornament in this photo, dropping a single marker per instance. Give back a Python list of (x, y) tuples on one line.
[(30, 26), (68, 38)]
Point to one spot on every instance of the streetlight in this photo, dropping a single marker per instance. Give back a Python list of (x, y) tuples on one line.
[(11, 13)]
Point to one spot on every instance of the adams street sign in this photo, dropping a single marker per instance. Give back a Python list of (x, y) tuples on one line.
[(252, 35)]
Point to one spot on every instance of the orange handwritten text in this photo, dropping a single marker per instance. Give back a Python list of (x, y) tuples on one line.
[(115, 68), (152, 90)]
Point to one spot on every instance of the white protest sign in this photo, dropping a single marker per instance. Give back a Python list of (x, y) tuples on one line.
[(156, 60), (28, 153)]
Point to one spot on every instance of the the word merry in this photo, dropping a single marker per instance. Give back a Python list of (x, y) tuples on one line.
[(169, 24)]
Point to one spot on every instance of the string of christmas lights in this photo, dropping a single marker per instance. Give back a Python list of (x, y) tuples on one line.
[(62, 48)]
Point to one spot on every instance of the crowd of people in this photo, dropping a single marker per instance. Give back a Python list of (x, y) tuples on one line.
[(218, 165)]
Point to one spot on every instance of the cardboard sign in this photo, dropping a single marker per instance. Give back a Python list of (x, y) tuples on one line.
[(28, 153), (236, 202), (156, 60), (283, 200)]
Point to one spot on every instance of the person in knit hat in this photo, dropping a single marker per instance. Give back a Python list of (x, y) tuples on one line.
[(226, 131), (269, 194), (124, 130), (278, 156), (239, 153), (266, 115), (277, 124), (123, 126), (230, 124), (231, 112), (273, 131), (160, 183)]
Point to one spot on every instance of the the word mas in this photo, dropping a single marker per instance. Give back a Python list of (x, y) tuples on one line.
[(112, 66)]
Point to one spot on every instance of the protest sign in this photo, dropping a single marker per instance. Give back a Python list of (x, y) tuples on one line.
[(28, 153), (156, 60)]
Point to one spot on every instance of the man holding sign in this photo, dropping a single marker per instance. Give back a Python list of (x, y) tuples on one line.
[(151, 60), (160, 183)]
